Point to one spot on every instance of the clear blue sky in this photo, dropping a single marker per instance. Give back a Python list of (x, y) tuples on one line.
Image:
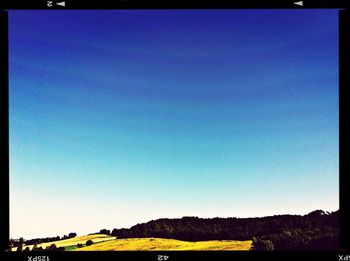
[(120, 117)]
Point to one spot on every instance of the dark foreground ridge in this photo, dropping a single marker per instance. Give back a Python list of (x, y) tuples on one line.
[(318, 230)]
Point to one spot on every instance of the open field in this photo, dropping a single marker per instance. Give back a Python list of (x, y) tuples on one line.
[(103, 242), (166, 244), (71, 243)]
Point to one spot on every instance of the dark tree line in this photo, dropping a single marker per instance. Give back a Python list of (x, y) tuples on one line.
[(316, 230), (21, 241), (52, 247), (35, 241)]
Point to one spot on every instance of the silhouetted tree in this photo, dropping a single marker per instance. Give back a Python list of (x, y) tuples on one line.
[(35, 247), (89, 242), (105, 231), (52, 247), (72, 235)]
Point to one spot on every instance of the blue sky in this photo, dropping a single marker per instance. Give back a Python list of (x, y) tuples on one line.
[(120, 117)]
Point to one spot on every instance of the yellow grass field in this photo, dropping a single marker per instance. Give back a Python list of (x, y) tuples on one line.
[(103, 242), (166, 244)]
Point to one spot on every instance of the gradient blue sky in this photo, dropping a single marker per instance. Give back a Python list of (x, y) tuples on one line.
[(120, 117)]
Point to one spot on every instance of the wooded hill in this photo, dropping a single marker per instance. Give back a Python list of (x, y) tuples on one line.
[(317, 230)]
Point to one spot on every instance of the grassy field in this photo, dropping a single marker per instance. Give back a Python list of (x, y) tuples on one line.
[(71, 243), (103, 242), (166, 244)]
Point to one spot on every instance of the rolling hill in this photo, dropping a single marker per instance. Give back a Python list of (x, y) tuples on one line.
[(318, 230), (72, 243), (154, 244)]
